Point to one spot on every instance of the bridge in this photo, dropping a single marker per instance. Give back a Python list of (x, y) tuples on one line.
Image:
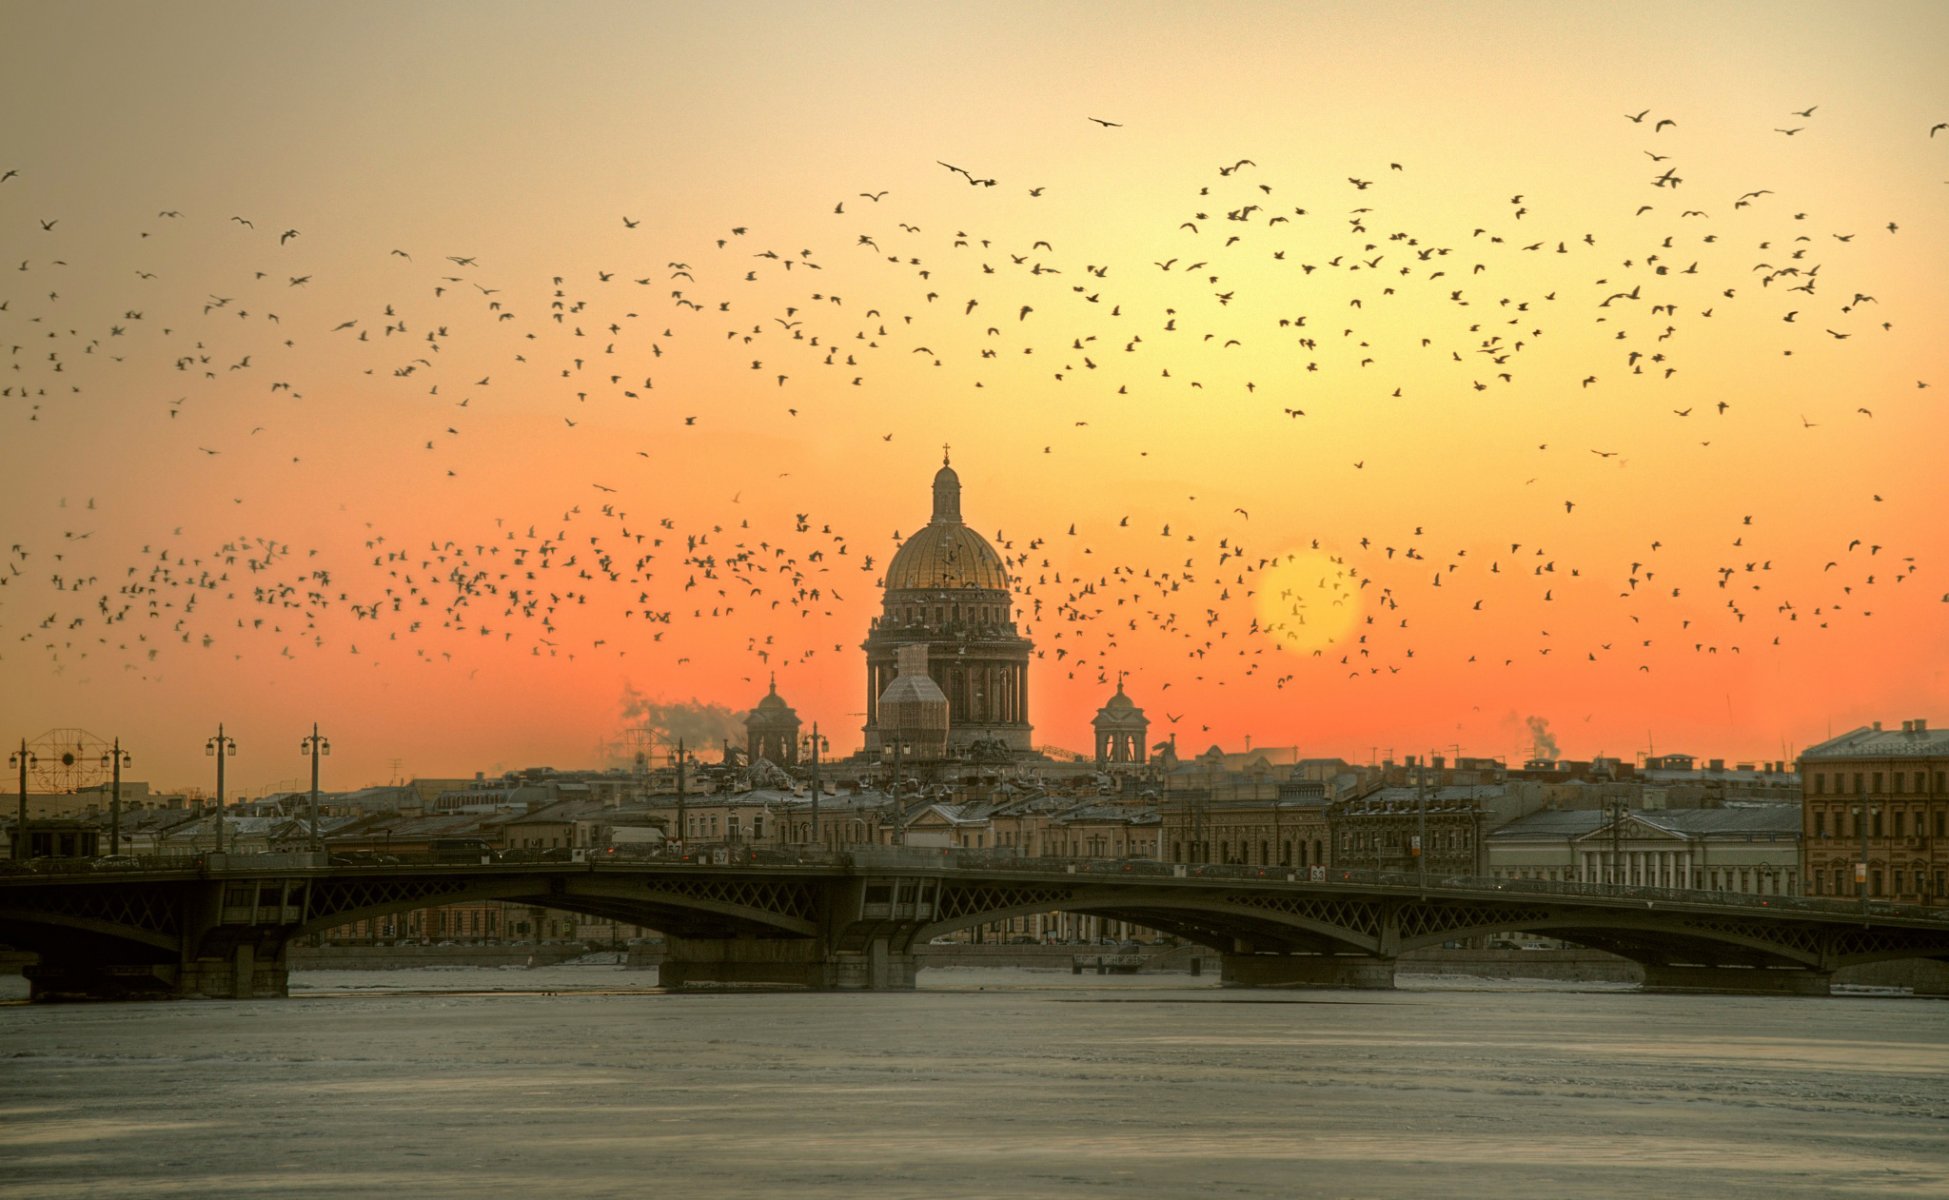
[(219, 926)]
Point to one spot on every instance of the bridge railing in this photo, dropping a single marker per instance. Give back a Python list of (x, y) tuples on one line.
[(110, 862), (1393, 881), (912, 857)]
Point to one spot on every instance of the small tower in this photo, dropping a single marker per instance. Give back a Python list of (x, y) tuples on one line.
[(772, 730), (1121, 730)]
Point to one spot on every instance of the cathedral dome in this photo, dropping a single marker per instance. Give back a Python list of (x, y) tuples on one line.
[(772, 710), (946, 553), (946, 556)]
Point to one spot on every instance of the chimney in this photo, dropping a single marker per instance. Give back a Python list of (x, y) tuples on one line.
[(1908, 727), (1921, 724), (1877, 726)]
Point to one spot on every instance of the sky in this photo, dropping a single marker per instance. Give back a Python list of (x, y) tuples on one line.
[(484, 381)]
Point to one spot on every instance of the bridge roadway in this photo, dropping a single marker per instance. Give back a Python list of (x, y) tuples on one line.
[(219, 926)]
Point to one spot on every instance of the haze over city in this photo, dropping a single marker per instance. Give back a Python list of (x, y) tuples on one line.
[(478, 381)]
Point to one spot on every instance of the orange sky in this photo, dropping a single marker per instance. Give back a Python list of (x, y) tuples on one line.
[(608, 335)]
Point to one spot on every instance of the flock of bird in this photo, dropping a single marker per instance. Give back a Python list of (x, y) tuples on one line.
[(1287, 305)]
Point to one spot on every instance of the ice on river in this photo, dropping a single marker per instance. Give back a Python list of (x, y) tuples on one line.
[(586, 1081)]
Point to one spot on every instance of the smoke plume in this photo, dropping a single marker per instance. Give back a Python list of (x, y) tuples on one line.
[(703, 727), (1541, 737)]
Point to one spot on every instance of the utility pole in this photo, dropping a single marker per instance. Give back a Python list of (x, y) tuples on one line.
[(117, 758), (24, 758), (220, 747), (314, 746)]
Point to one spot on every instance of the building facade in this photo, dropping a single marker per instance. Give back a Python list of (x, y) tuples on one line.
[(1749, 850), (1875, 814), (1395, 828)]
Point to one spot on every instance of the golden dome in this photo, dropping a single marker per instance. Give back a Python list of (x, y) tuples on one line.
[(945, 554)]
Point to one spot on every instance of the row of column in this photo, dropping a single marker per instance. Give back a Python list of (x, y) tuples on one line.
[(1002, 690), (1643, 868)]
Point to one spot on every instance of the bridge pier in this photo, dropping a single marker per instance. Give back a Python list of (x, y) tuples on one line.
[(238, 973), (790, 962), (1752, 981), (1350, 971)]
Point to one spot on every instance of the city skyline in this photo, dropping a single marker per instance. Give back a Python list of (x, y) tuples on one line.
[(477, 405)]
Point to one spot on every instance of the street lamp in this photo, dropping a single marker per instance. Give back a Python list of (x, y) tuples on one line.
[(116, 758), (683, 831), (814, 743), (314, 746), (220, 747), (23, 758)]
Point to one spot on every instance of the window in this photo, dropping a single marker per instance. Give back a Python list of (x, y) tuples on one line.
[(1899, 821), (1877, 781), (1857, 783), (1820, 783), (1820, 824)]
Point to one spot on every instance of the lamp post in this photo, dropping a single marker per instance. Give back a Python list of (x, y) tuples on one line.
[(815, 743), (220, 747), (314, 746), (683, 831), (23, 758), (116, 758)]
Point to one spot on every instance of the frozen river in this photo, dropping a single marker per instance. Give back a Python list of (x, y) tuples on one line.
[(582, 1081)]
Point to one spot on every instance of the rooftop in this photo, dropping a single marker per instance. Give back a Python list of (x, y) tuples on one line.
[(1913, 739)]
